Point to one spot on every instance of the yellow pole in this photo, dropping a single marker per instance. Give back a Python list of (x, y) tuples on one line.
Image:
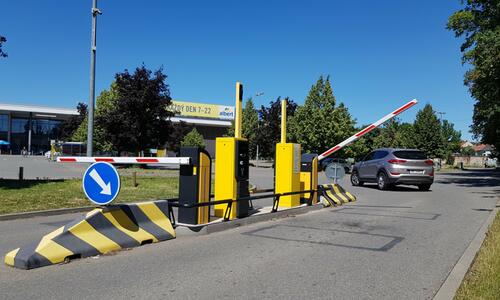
[(283, 121), (239, 98)]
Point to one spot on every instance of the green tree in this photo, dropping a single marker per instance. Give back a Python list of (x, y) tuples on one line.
[(479, 23), (138, 118), (427, 133), (452, 139), (177, 134), (2, 40), (394, 134), (193, 139), (269, 132), (468, 151), (250, 126), (319, 124), (69, 127), (105, 103)]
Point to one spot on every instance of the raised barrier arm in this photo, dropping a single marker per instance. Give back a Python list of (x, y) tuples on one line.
[(367, 129)]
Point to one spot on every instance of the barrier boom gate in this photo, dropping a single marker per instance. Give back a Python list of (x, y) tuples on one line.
[(367, 129), (126, 160)]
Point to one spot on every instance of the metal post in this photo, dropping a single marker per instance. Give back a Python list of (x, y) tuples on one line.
[(258, 126), (30, 125), (238, 118), (283, 121), (335, 179), (90, 127)]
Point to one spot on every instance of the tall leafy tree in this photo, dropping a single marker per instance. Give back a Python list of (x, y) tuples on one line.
[(2, 40), (105, 104), (177, 134), (394, 134), (479, 23), (269, 132), (139, 119), (319, 123), (193, 139), (68, 128), (427, 133), (452, 139), (250, 126)]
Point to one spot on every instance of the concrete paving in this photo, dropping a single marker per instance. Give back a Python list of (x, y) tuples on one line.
[(398, 244), (38, 167)]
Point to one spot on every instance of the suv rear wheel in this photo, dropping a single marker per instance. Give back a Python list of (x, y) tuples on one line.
[(424, 187), (382, 183), (355, 181)]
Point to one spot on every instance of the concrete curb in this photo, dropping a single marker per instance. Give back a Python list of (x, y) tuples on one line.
[(222, 226), (450, 286), (41, 213)]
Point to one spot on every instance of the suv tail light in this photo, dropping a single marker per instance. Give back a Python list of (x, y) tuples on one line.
[(396, 161), (430, 162)]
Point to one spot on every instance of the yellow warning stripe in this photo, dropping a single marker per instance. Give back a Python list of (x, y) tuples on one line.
[(52, 251), (88, 234), (333, 197), (122, 222), (339, 194), (350, 196), (157, 216), (9, 258)]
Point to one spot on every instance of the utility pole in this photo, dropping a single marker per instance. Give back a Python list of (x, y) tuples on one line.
[(257, 158), (90, 119), (441, 116)]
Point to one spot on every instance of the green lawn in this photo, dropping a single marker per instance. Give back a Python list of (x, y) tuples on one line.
[(31, 195), (483, 278)]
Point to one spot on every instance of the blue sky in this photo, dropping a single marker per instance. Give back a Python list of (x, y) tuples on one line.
[(379, 54)]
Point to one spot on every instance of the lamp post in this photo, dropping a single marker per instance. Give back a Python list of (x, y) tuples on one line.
[(257, 154), (90, 127)]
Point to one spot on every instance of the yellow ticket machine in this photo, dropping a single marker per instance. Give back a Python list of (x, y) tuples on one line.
[(231, 168), (287, 166)]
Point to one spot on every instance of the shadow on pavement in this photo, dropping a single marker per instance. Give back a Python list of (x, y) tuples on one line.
[(473, 178)]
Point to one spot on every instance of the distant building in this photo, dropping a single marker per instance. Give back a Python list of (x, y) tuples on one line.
[(33, 127), (465, 144), (483, 149)]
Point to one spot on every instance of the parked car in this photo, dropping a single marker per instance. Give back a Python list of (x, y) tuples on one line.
[(490, 163), (343, 162), (388, 167)]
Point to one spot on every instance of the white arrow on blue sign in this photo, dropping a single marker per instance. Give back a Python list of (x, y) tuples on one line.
[(101, 183)]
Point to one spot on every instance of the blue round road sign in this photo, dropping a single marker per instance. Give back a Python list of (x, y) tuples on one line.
[(101, 183)]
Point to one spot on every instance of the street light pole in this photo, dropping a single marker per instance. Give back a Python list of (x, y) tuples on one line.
[(90, 119), (441, 116), (257, 154)]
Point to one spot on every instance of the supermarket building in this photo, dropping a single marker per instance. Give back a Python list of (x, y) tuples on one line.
[(34, 127)]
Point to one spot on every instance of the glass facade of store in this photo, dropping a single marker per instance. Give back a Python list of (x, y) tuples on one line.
[(31, 134)]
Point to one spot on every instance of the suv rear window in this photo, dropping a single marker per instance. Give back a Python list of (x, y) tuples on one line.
[(408, 154)]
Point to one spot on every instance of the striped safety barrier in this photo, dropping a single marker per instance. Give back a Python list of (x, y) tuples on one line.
[(100, 231), (334, 195), (125, 160), (367, 129)]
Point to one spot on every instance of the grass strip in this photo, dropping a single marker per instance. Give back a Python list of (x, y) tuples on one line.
[(32, 195), (482, 281)]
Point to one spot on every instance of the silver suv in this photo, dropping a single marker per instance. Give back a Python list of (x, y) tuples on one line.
[(388, 167)]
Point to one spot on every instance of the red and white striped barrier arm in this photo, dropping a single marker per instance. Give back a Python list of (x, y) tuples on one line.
[(126, 160), (367, 129)]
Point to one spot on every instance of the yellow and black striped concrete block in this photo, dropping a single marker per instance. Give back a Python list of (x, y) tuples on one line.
[(100, 231), (334, 194)]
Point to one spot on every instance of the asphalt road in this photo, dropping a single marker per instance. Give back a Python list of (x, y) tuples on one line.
[(398, 244)]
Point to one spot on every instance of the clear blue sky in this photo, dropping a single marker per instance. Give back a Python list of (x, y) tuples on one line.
[(379, 54)]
